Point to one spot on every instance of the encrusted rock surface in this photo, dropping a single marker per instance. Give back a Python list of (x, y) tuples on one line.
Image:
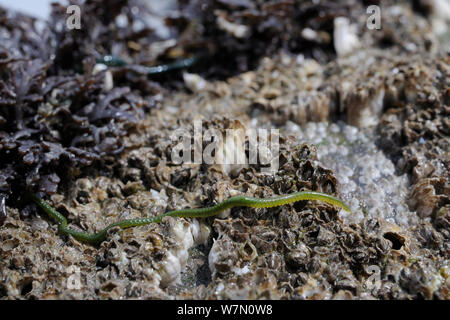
[(383, 114)]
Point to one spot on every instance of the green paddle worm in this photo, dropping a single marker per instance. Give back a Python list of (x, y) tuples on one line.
[(237, 201), (112, 61)]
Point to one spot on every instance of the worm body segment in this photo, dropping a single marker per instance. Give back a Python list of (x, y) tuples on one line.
[(237, 201)]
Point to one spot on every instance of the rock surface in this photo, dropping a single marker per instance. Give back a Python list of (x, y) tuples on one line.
[(370, 127)]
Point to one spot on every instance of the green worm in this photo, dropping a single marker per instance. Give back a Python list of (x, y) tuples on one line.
[(237, 201), (112, 61)]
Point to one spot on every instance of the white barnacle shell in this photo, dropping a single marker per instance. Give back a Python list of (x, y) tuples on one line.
[(344, 35), (232, 155), (185, 234), (182, 234), (213, 256), (108, 83), (237, 30), (440, 16), (194, 82), (200, 232), (169, 269)]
